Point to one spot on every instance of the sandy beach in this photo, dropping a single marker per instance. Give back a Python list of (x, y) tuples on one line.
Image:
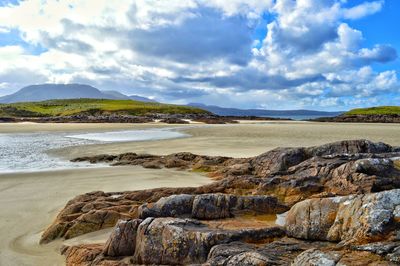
[(30, 201), (245, 140)]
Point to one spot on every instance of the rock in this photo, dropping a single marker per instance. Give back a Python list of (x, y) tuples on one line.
[(184, 241), (353, 219), (289, 174), (172, 206), (82, 254), (314, 257), (210, 206), (277, 160), (122, 240), (175, 241), (92, 221), (279, 252), (394, 255), (312, 219), (394, 118), (367, 218), (172, 120)]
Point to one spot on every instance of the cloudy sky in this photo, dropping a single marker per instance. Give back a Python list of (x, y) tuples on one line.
[(275, 54)]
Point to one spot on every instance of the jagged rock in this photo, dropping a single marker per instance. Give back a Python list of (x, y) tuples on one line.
[(92, 221), (122, 240), (353, 219), (176, 241), (82, 254), (314, 257), (279, 252)]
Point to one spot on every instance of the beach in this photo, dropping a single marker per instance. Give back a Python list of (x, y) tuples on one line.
[(30, 201)]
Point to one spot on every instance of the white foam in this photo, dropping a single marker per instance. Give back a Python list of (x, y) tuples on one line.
[(131, 135)]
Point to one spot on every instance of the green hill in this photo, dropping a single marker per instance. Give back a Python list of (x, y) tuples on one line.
[(68, 107), (381, 110)]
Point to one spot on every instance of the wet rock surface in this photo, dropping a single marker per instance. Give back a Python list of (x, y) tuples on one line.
[(338, 203)]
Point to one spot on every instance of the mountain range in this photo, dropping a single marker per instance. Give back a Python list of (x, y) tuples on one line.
[(262, 112), (43, 92)]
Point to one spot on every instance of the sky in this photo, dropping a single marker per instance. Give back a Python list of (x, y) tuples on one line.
[(272, 54)]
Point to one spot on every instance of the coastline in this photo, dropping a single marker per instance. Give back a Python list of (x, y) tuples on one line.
[(243, 140), (32, 200)]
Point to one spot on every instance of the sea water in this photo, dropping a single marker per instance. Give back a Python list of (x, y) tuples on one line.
[(26, 152)]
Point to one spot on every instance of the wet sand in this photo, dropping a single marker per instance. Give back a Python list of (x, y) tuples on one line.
[(28, 127), (30, 201)]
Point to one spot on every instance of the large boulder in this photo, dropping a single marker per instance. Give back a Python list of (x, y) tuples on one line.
[(175, 241), (352, 219), (122, 240), (312, 219)]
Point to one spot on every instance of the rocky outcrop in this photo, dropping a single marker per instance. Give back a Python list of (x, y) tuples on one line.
[(289, 174), (341, 198), (394, 118)]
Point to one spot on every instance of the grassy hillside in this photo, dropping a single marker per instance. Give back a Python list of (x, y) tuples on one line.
[(91, 106), (381, 110)]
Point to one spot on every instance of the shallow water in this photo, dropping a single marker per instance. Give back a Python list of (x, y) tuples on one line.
[(131, 135), (26, 152)]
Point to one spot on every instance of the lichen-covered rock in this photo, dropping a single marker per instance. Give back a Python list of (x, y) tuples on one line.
[(122, 240), (353, 219), (82, 254), (367, 218), (315, 257), (312, 219), (93, 221), (175, 241)]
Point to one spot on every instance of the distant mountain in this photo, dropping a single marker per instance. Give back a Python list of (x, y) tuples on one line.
[(261, 112), (35, 93), (141, 98)]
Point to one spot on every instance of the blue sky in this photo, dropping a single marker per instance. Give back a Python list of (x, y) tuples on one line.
[(274, 54)]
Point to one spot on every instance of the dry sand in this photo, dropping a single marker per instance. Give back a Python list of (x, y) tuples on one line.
[(245, 140), (30, 201)]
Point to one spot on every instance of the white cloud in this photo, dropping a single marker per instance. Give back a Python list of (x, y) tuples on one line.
[(363, 10), (194, 50)]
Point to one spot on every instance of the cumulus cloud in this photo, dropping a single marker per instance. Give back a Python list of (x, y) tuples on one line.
[(197, 50)]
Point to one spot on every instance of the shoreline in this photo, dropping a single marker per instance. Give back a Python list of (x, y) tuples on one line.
[(31, 200), (243, 140)]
